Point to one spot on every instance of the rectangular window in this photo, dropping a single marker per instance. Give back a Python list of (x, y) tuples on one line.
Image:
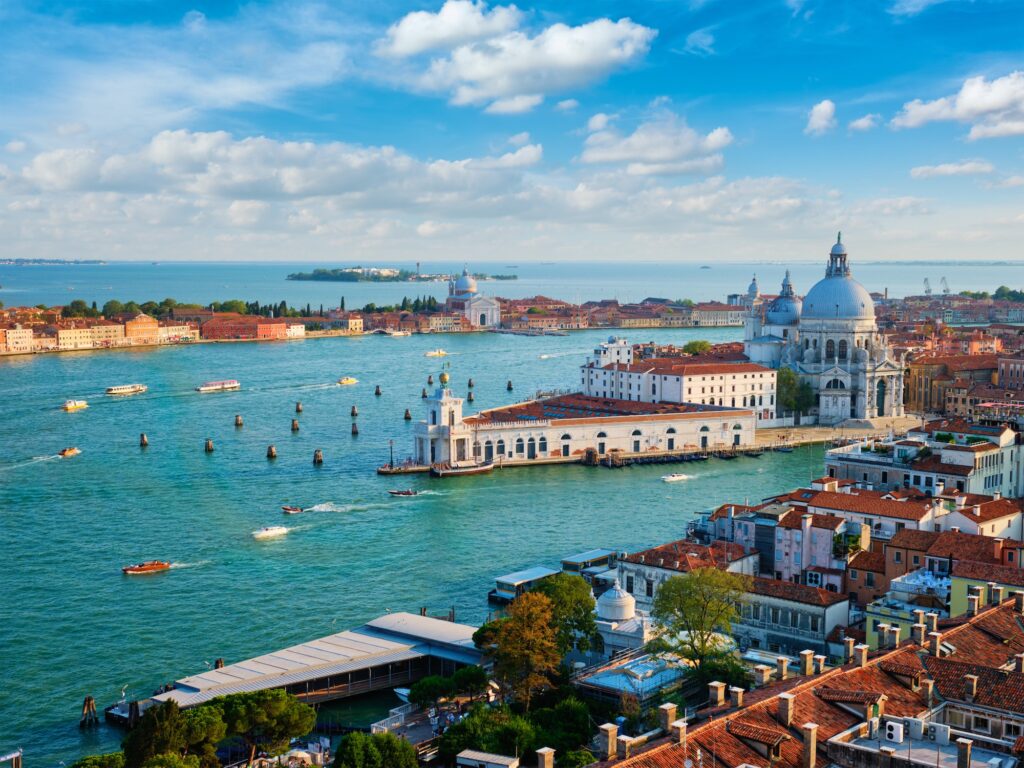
[(649, 588), (814, 623), (897, 556), (869, 578), (981, 724), (853, 574), (629, 584), (917, 559), (775, 615), (1012, 730)]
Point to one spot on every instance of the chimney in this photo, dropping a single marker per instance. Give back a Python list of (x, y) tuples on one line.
[(883, 636), (666, 716), (963, 753), (928, 690), (716, 694), (1018, 601), (972, 605), (919, 616), (935, 644), (819, 664), (861, 652), (1018, 663), (545, 757), (782, 665), (894, 634), (735, 697), (848, 643), (609, 732), (997, 595), (787, 703), (679, 732), (971, 682), (997, 495), (991, 586), (933, 622), (762, 675), (625, 745), (806, 663), (810, 754), (917, 633)]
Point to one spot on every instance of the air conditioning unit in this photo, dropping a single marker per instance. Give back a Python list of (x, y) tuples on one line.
[(873, 727), (931, 733), (894, 732)]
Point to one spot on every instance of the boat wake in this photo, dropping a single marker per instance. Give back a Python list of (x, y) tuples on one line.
[(329, 506), (432, 493), (197, 564), (29, 462)]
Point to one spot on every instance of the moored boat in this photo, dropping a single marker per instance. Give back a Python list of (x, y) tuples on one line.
[(127, 389), (219, 386), (270, 532), (74, 405), (436, 353), (394, 334), (406, 492), (150, 566), (403, 694), (65, 453), (675, 477), (288, 510), (347, 381), (458, 470)]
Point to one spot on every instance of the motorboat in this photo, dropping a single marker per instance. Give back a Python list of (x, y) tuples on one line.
[(675, 477), (458, 470), (784, 449), (65, 453), (219, 386), (395, 334), (406, 492), (74, 405), (347, 381), (291, 510), (150, 566), (270, 532), (127, 389), (403, 694), (436, 353)]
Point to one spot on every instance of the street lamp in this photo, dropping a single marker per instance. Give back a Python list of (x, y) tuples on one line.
[(391, 446)]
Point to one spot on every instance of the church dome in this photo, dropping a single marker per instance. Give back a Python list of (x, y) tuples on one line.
[(753, 290), (838, 295), (616, 605), (466, 283), (786, 309)]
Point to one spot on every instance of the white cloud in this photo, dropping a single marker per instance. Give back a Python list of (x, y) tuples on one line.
[(911, 7), (71, 129), (598, 122), (994, 108), (664, 145), (433, 228), (516, 69), (15, 147), (458, 22), (1011, 181), (567, 105), (514, 105), (963, 168), (246, 213), (821, 119), (700, 42), (865, 123), (523, 157), (519, 139)]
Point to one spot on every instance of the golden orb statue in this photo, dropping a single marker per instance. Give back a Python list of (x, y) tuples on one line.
[(444, 379)]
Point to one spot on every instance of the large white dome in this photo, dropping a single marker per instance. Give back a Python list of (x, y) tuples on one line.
[(786, 309), (838, 295), (466, 283), (616, 605)]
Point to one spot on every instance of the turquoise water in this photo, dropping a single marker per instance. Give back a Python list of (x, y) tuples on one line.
[(73, 626)]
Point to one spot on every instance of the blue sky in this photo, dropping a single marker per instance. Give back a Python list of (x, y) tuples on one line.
[(659, 130)]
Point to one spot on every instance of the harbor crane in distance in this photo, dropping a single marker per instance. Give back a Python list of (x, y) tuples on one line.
[(945, 287), (927, 287)]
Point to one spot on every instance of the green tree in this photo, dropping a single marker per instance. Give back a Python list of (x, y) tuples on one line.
[(526, 651), (572, 608), (357, 750), (487, 635), (113, 307), (576, 758), (696, 347), (203, 729), (430, 690), (267, 719), (793, 394), (108, 760), (172, 761), (693, 611), (395, 752), (563, 727), (160, 731), (489, 729), (471, 680)]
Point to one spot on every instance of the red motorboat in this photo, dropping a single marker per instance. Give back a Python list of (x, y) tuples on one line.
[(291, 510), (407, 492), (150, 566)]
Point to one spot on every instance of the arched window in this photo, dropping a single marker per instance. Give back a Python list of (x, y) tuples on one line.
[(830, 349), (542, 445), (501, 447), (807, 343), (670, 431), (637, 432), (567, 437), (705, 428), (835, 384), (737, 426), (601, 434), (842, 349), (519, 446)]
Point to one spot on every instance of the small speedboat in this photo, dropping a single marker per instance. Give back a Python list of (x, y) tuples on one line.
[(74, 405), (270, 532), (435, 353), (150, 566), (347, 381), (403, 694), (675, 477), (406, 492), (397, 334), (65, 453), (291, 510)]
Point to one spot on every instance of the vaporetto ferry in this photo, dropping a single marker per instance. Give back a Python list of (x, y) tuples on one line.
[(127, 389), (219, 386)]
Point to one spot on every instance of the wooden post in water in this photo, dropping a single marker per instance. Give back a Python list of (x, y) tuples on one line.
[(355, 411), (143, 441), (89, 717), (209, 446), (424, 393), (295, 425), (271, 452), (408, 415), (355, 429), (471, 383), (298, 407), (377, 391), (469, 397), (509, 385), (318, 457), (430, 379), (238, 420)]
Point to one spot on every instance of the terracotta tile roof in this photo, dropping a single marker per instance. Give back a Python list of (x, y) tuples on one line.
[(685, 556), (898, 668), (794, 519), (909, 538), (868, 561), (797, 593), (960, 426), (1018, 745), (998, 688), (935, 464), (839, 696), (984, 447), (744, 730), (678, 367), (993, 509), (869, 504), (839, 632), (1000, 574), (965, 546)]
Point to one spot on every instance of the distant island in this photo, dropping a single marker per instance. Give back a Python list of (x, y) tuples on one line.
[(46, 262), (381, 275)]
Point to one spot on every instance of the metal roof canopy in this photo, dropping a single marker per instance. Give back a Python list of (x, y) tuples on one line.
[(529, 574)]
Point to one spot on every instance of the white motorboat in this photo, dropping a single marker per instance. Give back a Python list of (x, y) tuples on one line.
[(675, 477), (395, 334), (403, 694), (74, 405), (270, 532), (219, 386), (127, 389), (435, 353)]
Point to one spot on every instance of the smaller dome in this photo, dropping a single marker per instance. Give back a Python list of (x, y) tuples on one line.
[(838, 249), (753, 290), (466, 283), (616, 605)]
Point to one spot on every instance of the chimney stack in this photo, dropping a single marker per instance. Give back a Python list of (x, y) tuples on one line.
[(997, 595), (819, 664), (625, 746), (782, 667), (918, 634), (919, 616), (762, 675), (861, 652), (972, 605), (716, 694), (935, 644), (609, 733), (932, 621), (806, 663), (810, 754), (883, 636), (928, 689), (991, 588), (1018, 663), (1018, 601), (545, 757), (666, 716), (735, 697), (679, 732), (963, 753), (848, 643), (787, 702), (972, 686), (894, 633)]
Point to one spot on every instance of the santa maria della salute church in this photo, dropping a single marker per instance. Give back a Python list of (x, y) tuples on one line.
[(831, 340)]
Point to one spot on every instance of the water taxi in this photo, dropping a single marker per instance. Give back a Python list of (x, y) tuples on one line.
[(458, 470), (435, 353), (127, 389), (270, 532), (347, 381), (675, 477), (74, 405), (66, 453), (406, 492), (289, 510), (395, 334), (150, 566), (219, 386)]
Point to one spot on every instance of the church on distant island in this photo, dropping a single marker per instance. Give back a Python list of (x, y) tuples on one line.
[(464, 299), (831, 340)]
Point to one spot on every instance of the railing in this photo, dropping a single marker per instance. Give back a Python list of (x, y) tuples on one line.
[(783, 628), (395, 719)]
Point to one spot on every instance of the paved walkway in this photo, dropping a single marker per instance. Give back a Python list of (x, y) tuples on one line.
[(804, 435)]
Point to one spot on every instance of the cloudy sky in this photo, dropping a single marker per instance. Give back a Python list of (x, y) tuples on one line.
[(613, 131)]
